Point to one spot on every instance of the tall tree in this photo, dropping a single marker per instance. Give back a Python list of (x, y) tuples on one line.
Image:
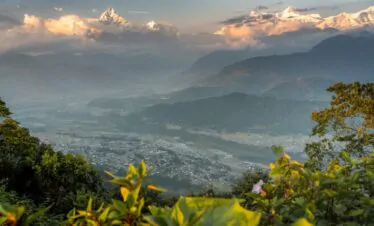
[(34, 169), (347, 125)]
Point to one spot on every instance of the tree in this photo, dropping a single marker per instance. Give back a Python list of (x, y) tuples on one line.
[(36, 170), (347, 125), (4, 111)]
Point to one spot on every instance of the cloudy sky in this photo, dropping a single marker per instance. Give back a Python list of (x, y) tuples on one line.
[(191, 14), (73, 23)]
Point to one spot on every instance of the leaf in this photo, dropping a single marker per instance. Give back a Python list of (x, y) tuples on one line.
[(131, 200), (339, 209), (143, 169), (271, 166), (104, 215), (33, 217), (91, 222), (154, 188), (3, 220), (140, 207), (277, 150), (120, 206), (177, 215), (132, 170), (209, 211), (124, 193), (302, 222), (355, 213), (89, 205)]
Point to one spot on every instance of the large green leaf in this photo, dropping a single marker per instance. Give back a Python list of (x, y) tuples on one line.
[(205, 211)]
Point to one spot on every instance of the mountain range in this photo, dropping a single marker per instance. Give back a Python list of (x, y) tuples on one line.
[(292, 19), (110, 16), (234, 112), (341, 58), (286, 43), (279, 32)]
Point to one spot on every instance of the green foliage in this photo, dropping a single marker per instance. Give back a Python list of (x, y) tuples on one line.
[(334, 187), (48, 177), (349, 120), (4, 111), (12, 204), (341, 195), (245, 183), (128, 211), (203, 211), (187, 211)]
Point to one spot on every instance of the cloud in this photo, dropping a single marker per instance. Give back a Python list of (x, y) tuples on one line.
[(262, 7), (311, 9), (58, 9), (36, 31), (7, 22), (138, 12), (69, 32), (251, 27), (234, 20)]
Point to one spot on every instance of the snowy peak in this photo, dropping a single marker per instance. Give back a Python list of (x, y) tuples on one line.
[(110, 16), (260, 22), (153, 26), (161, 28), (344, 21), (294, 14), (290, 11), (290, 14)]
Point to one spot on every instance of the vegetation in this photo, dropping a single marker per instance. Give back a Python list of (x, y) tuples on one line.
[(33, 169), (334, 187), (347, 125)]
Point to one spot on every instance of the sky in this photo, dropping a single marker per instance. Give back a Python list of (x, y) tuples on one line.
[(190, 25), (190, 14)]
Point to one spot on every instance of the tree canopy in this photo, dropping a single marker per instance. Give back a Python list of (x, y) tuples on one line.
[(346, 125), (36, 170)]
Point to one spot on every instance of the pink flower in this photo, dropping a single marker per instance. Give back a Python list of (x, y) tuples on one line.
[(257, 188)]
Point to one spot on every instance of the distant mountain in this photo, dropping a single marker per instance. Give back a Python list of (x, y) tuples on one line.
[(292, 19), (138, 103), (141, 62), (344, 21), (70, 73), (286, 43), (302, 89), (110, 16), (235, 112), (341, 58)]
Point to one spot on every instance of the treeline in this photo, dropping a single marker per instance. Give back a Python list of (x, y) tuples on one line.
[(334, 187)]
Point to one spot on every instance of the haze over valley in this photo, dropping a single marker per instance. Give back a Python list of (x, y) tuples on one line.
[(199, 105)]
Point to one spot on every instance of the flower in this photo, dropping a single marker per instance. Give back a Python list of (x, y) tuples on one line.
[(257, 188)]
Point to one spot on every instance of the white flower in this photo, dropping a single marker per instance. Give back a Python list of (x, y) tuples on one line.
[(257, 188)]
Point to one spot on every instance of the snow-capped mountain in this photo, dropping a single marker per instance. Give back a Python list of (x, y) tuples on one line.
[(293, 14), (163, 28), (110, 16), (292, 19), (345, 21), (153, 26)]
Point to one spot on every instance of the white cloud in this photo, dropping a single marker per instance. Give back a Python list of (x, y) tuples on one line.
[(248, 29), (73, 30), (58, 9)]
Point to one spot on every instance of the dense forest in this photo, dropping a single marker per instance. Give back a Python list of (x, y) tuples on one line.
[(335, 186)]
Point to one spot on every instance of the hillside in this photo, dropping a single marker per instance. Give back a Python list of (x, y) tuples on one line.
[(344, 58), (286, 43), (302, 89), (236, 112)]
